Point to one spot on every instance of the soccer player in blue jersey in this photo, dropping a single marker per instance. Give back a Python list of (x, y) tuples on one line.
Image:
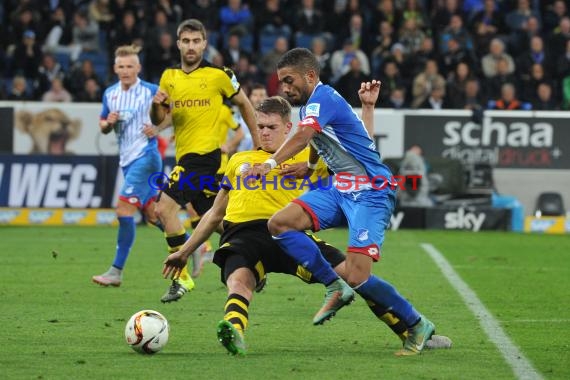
[(363, 197), (126, 106)]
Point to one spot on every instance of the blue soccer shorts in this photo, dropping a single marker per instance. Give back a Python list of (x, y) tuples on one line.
[(366, 212), (136, 189)]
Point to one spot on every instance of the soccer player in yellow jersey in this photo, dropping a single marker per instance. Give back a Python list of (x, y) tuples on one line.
[(229, 145), (247, 252), (192, 95)]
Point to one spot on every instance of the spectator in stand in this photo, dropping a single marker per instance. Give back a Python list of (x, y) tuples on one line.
[(529, 86), (424, 82), (517, 19), (411, 36), (443, 13), (172, 10), (203, 10), (454, 55), (455, 30), (19, 89), (381, 44), (153, 34), (563, 64), (268, 63), (49, 69), (248, 73), (489, 63), (385, 11), (24, 18), (415, 64), (519, 42), (390, 79), (536, 55), (473, 98), (504, 75), (28, 55), (120, 7), (396, 100), (308, 19), (553, 15), (59, 30), (235, 17), (233, 51), (508, 100), (91, 92), (349, 84), (85, 34), (319, 49), (100, 12), (456, 82), (160, 57), (413, 10), (335, 13), (486, 25), (57, 93), (436, 100), (340, 60), (559, 38), (544, 100), (75, 80), (356, 32), (271, 20), (128, 32)]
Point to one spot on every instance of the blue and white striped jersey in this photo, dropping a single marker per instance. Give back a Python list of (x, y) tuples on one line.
[(342, 140), (133, 106)]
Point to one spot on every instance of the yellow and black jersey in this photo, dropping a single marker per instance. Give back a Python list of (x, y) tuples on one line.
[(269, 194), (195, 101), (227, 122)]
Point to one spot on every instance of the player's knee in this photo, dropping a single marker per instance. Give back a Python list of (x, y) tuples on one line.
[(277, 225), (161, 212), (125, 209)]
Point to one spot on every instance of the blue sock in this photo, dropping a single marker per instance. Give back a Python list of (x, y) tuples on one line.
[(383, 293), (306, 253), (125, 240)]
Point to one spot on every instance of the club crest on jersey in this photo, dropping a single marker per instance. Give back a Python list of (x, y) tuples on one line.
[(362, 234), (312, 109)]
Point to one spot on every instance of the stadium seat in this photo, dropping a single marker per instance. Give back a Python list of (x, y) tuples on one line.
[(64, 60), (100, 62), (549, 204), (304, 40), (246, 43), (213, 38), (267, 42)]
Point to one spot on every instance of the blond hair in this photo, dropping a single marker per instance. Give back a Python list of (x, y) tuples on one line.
[(125, 50)]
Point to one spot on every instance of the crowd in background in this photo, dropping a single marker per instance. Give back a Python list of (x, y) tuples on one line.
[(437, 54)]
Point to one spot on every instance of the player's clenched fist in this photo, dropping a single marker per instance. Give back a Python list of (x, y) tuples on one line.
[(160, 97)]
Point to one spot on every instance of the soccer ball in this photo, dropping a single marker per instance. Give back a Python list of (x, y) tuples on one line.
[(147, 332)]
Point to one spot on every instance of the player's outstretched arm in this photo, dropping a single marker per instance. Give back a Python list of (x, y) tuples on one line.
[(248, 114), (368, 94), (208, 224)]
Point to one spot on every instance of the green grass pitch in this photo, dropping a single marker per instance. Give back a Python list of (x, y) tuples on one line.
[(56, 324)]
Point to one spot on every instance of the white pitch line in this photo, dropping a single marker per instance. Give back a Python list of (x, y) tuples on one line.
[(520, 365)]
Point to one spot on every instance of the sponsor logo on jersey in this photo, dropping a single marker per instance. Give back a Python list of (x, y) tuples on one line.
[(191, 103), (312, 109)]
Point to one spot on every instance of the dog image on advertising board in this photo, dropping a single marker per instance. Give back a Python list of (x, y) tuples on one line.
[(50, 130)]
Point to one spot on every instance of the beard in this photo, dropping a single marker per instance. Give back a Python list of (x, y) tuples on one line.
[(190, 61)]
